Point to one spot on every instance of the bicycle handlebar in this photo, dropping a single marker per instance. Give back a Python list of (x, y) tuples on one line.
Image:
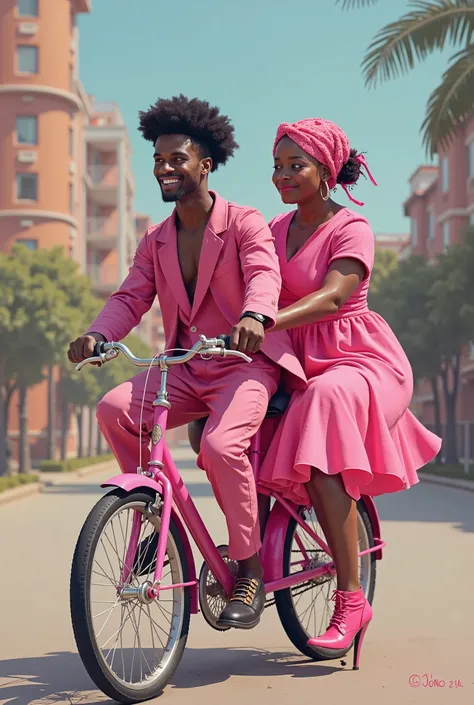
[(103, 352)]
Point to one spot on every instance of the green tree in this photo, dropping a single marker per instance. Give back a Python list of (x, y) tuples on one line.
[(78, 390), (14, 291), (87, 387), (42, 300), (404, 299), (385, 265), (428, 26), (37, 313), (431, 309), (452, 315), (75, 293)]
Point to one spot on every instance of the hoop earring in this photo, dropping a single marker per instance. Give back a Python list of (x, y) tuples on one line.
[(326, 197)]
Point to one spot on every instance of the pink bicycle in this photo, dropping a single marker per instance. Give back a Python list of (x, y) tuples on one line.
[(133, 580)]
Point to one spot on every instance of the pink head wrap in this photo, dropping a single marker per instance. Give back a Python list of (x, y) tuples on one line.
[(324, 141)]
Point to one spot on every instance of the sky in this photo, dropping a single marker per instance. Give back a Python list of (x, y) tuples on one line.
[(262, 62)]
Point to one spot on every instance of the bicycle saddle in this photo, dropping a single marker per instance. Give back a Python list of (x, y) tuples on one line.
[(278, 404)]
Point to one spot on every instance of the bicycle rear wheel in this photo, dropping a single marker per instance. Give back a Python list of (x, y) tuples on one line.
[(305, 609), (129, 645)]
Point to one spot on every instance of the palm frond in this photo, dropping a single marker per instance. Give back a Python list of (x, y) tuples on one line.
[(452, 103), (355, 4), (429, 26)]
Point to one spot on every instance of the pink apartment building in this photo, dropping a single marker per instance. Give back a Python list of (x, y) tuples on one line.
[(440, 206), (66, 175), (395, 242), (151, 327)]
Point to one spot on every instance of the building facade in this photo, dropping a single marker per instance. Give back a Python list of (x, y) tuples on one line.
[(395, 242), (440, 207), (66, 172)]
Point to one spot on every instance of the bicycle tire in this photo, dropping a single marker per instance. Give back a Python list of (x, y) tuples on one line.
[(80, 605)]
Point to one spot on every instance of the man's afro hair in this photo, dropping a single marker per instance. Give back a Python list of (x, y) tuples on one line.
[(210, 131)]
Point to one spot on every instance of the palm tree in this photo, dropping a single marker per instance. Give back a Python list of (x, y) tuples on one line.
[(429, 25)]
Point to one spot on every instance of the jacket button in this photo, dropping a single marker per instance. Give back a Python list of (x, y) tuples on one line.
[(193, 329)]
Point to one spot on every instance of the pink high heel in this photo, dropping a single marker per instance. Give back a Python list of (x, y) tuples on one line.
[(347, 627)]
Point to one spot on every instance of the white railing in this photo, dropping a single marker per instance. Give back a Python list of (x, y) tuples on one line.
[(102, 226), (100, 173), (104, 277)]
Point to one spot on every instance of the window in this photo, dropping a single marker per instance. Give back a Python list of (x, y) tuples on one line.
[(27, 58), (471, 219), (29, 244), (27, 187), (27, 8), (444, 175), (431, 225), (414, 232), (470, 160), (71, 199), (71, 142), (446, 235), (26, 130)]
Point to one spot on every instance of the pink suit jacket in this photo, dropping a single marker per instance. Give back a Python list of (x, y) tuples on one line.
[(238, 263)]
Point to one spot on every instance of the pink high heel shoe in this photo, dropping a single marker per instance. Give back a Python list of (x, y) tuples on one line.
[(348, 625)]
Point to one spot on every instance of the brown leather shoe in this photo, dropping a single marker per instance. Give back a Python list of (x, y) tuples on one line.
[(245, 607)]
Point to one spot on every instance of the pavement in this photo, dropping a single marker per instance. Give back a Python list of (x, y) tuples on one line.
[(418, 648)]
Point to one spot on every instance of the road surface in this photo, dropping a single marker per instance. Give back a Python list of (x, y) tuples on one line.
[(423, 627)]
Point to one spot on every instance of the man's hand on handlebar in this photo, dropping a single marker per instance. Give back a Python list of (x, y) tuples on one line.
[(83, 347), (247, 336)]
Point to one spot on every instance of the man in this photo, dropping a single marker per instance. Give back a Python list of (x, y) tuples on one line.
[(213, 266)]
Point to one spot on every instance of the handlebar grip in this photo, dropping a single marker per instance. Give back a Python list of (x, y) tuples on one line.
[(98, 350), (226, 339)]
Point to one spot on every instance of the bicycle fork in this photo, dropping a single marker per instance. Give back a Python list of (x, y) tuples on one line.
[(159, 513)]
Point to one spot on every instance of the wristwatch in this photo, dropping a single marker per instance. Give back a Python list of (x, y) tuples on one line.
[(264, 320)]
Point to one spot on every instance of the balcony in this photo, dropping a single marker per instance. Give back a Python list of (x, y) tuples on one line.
[(102, 182), (83, 5), (104, 278), (102, 233)]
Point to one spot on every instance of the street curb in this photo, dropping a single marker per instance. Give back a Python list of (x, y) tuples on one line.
[(15, 493), (452, 482), (46, 479)]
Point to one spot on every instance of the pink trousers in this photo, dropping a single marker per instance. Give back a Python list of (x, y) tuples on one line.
[(235, 395)]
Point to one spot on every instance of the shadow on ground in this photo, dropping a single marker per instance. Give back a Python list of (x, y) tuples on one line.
[(60, 677), (423, 503), (427, 502)]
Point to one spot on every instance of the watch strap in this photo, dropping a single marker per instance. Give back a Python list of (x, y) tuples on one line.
[(264, 320)]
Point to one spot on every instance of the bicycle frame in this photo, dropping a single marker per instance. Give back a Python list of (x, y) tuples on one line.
[(163, 477)]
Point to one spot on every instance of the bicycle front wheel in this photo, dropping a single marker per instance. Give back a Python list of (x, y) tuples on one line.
[(129, 645)]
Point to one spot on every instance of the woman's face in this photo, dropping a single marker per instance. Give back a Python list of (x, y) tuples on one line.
[(296, 175)]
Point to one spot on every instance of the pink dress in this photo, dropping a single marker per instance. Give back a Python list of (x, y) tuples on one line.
[(353, 418)]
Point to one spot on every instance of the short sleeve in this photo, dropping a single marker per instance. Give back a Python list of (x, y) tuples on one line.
[(354, 240)]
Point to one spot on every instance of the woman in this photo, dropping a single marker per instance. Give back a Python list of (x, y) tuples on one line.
[(350, 431)]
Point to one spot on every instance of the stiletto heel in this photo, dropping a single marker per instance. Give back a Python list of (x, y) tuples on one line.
[(358, 647), (347, 627)]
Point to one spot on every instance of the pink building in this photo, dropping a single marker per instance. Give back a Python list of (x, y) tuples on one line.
[(395, 242), (151, 327), (440, 207), (108, 191), (66, 173)]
